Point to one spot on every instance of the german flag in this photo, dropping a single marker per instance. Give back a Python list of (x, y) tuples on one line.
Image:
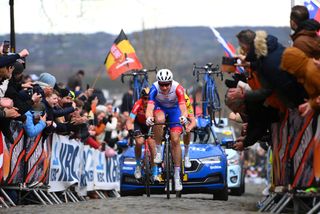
[(121, 57)]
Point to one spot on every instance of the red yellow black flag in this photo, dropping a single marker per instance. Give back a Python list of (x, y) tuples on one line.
[(121, 57)]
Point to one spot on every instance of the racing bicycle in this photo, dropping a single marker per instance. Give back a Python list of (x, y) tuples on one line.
[(210, 101), (147, 160), (168, 166), (139, 80)]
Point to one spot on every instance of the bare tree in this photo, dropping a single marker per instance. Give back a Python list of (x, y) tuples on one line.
[(157, 47)]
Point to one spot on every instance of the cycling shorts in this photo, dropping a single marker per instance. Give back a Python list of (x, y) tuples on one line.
[(173, 116), (140, 128)]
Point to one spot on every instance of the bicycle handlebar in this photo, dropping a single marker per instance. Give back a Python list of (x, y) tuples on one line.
[(141, 72), (207, 69)]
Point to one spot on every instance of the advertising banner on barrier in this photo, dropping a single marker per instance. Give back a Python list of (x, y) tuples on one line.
[(13, 155), (64, 168), (86, 170), (35, 156), (106, 176)]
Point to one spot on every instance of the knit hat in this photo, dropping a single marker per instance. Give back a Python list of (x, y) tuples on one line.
[(47, 79), (64, 92), (18, 68)]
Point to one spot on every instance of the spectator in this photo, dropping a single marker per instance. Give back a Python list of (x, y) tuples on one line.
[(18, 92), (75, 81), (127, 101), (263, 55), (301, 66), (35, 120), (6, 60), (305, 31)]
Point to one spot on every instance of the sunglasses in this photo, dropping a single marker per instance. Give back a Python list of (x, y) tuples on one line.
[(164, 84)]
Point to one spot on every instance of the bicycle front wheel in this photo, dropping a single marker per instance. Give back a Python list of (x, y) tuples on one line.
[(215, 108), (147, 172), (167, 168)]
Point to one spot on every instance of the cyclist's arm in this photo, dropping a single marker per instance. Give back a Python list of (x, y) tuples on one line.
[(181, 100), (150, 106), (191, 118), (133, 114)]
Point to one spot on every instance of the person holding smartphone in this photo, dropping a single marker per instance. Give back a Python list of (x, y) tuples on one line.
[(8, 59)]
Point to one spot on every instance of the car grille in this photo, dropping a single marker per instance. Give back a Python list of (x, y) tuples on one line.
[(210, 179), (195, 166)]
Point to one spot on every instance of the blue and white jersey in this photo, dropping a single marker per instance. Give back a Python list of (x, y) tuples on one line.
[(170, 100)]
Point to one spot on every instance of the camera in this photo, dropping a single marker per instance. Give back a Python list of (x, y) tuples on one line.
[(228, 64), (30, 91)]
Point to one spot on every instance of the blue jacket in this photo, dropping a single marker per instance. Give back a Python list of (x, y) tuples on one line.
[(32, 129)]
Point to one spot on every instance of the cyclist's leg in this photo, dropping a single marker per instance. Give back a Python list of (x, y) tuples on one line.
[(137, 149), (175, 132), (152, 149), (186, 142), (159, 117), (187, 137)]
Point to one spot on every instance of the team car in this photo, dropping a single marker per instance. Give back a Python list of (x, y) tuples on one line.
[(207, 174), (225, 135)]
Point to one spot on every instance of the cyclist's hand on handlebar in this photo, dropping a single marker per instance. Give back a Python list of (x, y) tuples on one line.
[(150, 121), (183, 120)]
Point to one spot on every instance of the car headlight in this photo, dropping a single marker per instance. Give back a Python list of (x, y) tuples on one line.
[(129, 161), (233, 161), (211, 160)]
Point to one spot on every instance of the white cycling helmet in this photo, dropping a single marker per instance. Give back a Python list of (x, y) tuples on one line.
[(164, 75)]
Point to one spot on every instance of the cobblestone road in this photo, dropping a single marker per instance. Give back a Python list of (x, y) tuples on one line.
[(193, 203)]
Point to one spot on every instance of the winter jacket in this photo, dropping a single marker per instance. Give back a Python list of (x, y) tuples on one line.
[(266, 57), (296, 62), (32, 129), (306, 39)]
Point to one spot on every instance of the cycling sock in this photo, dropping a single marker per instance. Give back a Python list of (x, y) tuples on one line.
[(154, 170), (138, 162), (177, 171), (186, 150)]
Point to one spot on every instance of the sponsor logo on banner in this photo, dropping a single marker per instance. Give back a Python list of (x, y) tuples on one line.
[(64, 164)]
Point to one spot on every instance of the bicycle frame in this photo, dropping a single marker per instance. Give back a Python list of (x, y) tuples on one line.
[(210, 97), (140, 81), (168, 168), (147, 162)]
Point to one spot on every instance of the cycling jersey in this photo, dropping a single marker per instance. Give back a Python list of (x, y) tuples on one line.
[(189, 106), (168, 103), (170, 100), (138, 112)]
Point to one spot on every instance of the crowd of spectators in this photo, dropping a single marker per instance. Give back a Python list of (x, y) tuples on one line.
[(47, 106), (280, 85)]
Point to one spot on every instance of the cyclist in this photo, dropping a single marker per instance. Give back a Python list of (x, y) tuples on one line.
[(167, 98), (136, 125), (189, 127)]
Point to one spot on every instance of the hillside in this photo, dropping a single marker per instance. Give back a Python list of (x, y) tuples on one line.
[(63, 55)]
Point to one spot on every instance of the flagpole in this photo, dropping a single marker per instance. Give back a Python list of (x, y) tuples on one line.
[(98, 76)]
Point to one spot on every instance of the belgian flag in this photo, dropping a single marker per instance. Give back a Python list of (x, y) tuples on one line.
[(121, 57)]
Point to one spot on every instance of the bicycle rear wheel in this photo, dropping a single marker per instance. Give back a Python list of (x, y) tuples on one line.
[(217, 107), (214, 108), (147, 172)]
